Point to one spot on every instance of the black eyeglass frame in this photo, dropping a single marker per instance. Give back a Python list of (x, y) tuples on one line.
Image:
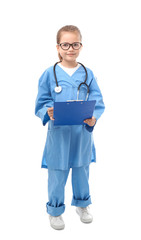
[(70, 44)]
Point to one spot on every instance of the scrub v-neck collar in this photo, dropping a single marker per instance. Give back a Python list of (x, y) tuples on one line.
[(67, 73)]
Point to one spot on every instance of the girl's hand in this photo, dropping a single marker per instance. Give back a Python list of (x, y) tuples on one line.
[(50, 113), (90, 121)]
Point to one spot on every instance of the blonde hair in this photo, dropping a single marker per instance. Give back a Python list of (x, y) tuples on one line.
[(67, 28)]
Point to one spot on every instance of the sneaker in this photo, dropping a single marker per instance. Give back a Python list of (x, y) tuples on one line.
[(84, 214), (56, 222)]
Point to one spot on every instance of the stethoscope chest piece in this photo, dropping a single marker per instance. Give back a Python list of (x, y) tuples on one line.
[(58, 89)]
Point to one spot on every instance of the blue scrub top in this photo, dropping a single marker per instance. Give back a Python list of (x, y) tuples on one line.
[(69, 145)]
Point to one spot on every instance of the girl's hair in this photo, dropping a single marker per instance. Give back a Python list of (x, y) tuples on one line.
[(67, 28)]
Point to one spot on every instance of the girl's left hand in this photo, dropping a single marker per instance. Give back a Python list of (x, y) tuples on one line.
[(90, 121)]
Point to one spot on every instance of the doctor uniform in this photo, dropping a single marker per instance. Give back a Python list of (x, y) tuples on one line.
[(68, 146)]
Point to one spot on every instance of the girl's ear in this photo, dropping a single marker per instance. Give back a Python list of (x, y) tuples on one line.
[(57, 46), (80, 49)]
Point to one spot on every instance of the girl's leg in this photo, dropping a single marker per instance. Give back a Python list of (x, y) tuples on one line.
[(80, 186), (56, 184)]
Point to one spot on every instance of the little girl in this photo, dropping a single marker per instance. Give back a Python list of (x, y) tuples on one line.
[(68, 146)]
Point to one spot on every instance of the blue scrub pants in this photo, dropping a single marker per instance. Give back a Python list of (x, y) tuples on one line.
[(56, 186)]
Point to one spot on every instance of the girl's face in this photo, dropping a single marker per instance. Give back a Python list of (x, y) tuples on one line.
[(69, 56)]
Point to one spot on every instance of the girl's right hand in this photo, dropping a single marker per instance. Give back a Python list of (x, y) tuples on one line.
[(50, 113)]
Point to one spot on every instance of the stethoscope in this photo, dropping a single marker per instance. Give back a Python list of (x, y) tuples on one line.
[(58, 89)]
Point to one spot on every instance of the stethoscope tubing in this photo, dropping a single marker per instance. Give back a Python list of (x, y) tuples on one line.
[(83, 83)]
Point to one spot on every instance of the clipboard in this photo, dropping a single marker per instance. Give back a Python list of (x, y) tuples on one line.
[(73, 112)]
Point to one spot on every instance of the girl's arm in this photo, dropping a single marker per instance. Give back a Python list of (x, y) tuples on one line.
[(44, 99), (95, 94)]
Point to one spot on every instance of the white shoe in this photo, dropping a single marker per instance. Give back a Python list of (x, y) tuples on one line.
[(84, 214), (56, 222)]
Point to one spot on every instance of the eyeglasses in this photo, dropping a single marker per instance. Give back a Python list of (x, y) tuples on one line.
[(66, 46)]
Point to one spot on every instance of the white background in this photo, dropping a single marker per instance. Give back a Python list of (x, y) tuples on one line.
[(112, 49)]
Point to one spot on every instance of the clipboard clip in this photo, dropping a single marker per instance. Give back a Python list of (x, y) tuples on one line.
[(74, 100)]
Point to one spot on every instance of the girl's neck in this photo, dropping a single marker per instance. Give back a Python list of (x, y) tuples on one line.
[(69, 64)]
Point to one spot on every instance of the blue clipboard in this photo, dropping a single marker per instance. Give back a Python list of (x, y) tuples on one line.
[(73, 112)]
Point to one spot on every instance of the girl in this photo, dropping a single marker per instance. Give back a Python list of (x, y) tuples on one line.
[(68, 146)]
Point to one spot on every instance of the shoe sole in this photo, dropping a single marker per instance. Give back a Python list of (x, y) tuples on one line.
[(57, 228)]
